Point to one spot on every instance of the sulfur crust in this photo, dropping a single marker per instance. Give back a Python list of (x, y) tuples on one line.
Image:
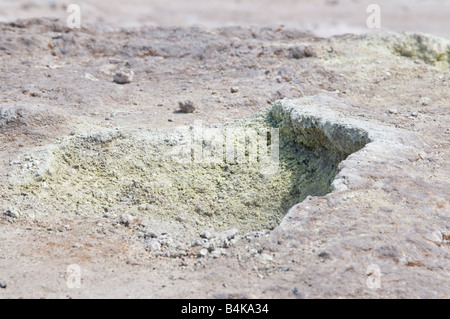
[(131, 172)]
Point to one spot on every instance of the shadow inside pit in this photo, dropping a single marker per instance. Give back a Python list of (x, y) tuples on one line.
[(312, 155)]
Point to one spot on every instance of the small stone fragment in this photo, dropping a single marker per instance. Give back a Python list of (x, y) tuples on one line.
[(296, 292), (300, 52), (324, 255), (392, 111), (265, 258), (11, 213), (199, 243), (215, 254), (186, 106), (126, 220), (207, 234), (229, 234), (203, 252), (424, 101), (152, 245), (123, 76)]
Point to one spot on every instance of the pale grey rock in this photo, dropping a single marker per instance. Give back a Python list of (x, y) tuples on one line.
[(228, 234), (152, 245), (123, 76), (207, 234), (12, 213), (203, 252)]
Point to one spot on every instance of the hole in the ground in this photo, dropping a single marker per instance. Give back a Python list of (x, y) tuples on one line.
[(162, 176)]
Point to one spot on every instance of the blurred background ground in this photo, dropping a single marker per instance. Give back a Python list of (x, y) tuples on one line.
[(324, 17)]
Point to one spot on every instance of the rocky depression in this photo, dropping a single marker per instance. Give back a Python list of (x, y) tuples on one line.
[(244, 175)]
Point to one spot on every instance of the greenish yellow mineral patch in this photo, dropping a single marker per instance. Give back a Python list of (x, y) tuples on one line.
[(430, 49), (135, 172)]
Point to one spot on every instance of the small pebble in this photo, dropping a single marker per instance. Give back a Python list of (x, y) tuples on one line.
[(152, 235), (324, 255), (215, 254), (203, 252), (425, 101), (152, 245), (265, 258), (3, 285), (300, 52), (12, 214), (296, 292), (187, 106), (198, 243), (392, 111), (123, 76), (207, 234), (234, 89), (229, 234), (126, 220)]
